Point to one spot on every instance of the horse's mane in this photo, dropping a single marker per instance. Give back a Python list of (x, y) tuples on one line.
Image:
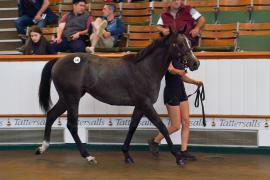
[(144, 52)]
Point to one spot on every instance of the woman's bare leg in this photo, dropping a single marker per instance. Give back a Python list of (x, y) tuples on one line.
[(184, 114), (184, 111), (174, 115)]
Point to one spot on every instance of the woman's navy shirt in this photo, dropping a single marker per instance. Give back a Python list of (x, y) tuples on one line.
[(174, 80)]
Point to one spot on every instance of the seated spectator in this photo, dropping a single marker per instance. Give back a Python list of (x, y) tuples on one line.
[(37, 43), (177, 16), (73, 29), (106, 30), (33, 12)]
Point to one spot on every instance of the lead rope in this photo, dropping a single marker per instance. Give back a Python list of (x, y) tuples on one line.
[(200, 96)]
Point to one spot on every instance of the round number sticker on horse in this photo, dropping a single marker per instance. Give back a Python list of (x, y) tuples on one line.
[(77, 60)]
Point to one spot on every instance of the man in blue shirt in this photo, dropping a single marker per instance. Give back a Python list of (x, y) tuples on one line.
[(33, 12), (106, 30)]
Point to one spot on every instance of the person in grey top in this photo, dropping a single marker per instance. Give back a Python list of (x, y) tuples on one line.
[(73, 29)]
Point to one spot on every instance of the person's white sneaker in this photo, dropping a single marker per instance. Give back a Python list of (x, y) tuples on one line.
[(90, 50)]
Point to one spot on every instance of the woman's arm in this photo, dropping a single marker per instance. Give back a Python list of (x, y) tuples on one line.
[(175, 71), (189, 80)]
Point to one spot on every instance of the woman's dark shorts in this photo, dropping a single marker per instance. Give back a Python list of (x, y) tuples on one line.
[(173, 96)]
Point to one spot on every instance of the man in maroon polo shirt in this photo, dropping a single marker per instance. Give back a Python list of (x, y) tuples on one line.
[(177, 16)]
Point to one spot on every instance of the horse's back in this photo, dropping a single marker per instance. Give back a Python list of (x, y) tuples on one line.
[(70, 71), (112, 81), (103, 78)]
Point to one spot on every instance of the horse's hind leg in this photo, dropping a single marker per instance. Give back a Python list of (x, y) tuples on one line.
[(135, 119), (72, 125), (58, 109), (152, 115)]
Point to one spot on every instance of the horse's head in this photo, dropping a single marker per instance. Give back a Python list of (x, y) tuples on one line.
[(180, 49)]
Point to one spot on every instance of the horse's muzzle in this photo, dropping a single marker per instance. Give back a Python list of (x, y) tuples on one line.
[(194, 66)]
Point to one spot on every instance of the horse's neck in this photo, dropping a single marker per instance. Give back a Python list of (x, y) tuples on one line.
[(158, 61)]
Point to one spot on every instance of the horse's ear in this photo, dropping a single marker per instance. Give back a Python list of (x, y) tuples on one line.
[(182, 30)]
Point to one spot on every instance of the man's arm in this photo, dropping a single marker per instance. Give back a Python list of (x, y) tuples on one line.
[(200, 23), (84, 32), (76, 35), (165, 31), (43, 8), (60, 29), (160, 27)]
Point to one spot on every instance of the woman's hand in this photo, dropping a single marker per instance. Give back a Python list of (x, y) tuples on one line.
[(198, 83)]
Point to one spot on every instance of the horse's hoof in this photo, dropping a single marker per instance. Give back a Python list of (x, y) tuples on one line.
[(91, 160), (180, 163), (38, 151), (129, 160), (180, 160)]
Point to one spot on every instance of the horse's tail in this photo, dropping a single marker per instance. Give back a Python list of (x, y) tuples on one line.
[(45, 86)]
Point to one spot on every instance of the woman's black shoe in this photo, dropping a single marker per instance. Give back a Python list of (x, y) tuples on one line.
[(153, 148), (187, 156)]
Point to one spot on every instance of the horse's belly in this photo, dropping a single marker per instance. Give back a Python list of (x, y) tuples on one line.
[(112, 98)]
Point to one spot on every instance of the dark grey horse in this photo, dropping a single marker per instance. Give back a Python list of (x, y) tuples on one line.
[(133, 80)]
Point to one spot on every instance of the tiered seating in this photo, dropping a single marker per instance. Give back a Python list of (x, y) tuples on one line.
[(8, 35), (136, 13), (95, 9), (218, 37), (225, 36), (61, 8), (215, 37), (49, 33), (207, 8), (157, 8), (261, 11), (233, 11), (254, 37), (139, 37)]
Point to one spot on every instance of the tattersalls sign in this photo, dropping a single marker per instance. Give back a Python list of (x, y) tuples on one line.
[(259, 125), (86, 122), (230, 123)]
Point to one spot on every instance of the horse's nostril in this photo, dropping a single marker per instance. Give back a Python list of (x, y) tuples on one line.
[(196, 65)]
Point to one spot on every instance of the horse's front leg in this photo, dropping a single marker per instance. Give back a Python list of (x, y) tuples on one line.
[(135, 119), (52, 115), (152, 115)]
